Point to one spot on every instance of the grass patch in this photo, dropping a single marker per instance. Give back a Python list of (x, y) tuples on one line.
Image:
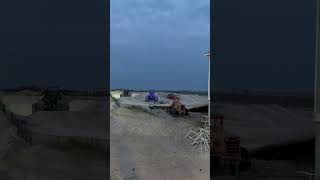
[(2, 107), (116, 101), (139, 109), (132, 107)]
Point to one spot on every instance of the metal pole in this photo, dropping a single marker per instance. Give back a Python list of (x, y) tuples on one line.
[(209, 100), (317, 96)]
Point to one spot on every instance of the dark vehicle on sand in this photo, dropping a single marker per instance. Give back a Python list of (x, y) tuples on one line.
[(151, 97), (126, 93), (51, 100)]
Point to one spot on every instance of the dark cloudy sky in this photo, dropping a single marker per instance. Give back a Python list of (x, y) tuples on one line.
[(159, 44), (260, 45), (265, 44), (46, 42)]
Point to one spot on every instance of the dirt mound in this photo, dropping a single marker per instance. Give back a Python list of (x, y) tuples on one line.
[(261, 125), (19, 104)]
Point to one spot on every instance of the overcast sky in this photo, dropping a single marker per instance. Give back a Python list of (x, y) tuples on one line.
[(159, 44), (47, 43), (260, 45), (265, 44)]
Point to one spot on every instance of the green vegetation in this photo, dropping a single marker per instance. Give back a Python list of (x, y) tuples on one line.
[(116, 101), (139, 109), (2, 107)]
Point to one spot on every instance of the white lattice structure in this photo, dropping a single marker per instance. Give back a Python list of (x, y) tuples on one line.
[(200, 138)]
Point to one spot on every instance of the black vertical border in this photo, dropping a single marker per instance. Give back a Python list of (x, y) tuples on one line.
[(107, 74)]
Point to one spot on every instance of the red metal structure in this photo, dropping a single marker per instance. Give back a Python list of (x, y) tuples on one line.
[(225, 147), (176, 108)]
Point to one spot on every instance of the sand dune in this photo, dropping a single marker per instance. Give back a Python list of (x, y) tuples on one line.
[(266, 125), (19, 104)]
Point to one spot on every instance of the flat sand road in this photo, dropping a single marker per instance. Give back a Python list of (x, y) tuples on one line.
[(146, 146)]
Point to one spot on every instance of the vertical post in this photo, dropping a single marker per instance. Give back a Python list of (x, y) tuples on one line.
[(317, 96), (209, 100)]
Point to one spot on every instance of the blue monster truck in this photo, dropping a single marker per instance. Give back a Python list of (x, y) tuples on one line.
[(151, 97)]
